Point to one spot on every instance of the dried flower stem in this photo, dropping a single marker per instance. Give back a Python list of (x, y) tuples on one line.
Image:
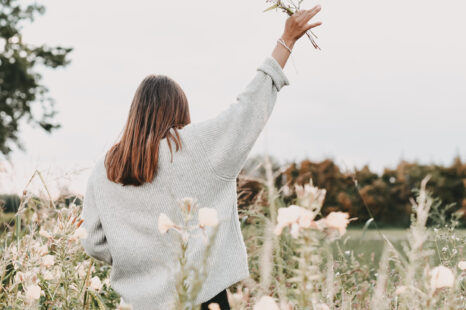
[(290, 9)]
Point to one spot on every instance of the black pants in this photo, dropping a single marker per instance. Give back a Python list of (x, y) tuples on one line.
[(222, 300)]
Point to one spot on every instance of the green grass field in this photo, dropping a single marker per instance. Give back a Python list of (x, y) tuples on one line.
[(368, 245)]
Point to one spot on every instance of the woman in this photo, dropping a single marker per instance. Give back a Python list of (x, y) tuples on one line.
[(163, 157)]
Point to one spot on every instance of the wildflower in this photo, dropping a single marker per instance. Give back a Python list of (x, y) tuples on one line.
[(284, 305), (310, 196), (42, 250), (462, 265), (187, 203), (45, 233), (294, 231), (306, 219), (96, 284), (33, 292), (296, 216), (81, 270), (287, 216), (164, 223), (214, 306), (266, 303), (48, 260), (337, 220), (207, 217), (441, 276), (80, 233), (19, 277), (30, 276), (48, 275)]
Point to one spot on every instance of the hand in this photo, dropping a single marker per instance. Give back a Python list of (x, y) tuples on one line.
[(297, 24)]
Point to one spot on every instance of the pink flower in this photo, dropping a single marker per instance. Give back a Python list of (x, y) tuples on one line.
[(266, 303), (208, 217), (96, 284), (33, 292), (294, 216), (214, 306), (48, 260), (337, 220), (441, 276), (164, 223)]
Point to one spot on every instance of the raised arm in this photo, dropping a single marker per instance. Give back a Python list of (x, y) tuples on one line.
[(228, 138), (295, 27)]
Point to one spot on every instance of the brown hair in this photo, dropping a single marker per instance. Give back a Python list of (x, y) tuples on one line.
[(159, 104)]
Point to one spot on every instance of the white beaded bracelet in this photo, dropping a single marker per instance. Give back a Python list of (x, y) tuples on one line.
[(280, 40)]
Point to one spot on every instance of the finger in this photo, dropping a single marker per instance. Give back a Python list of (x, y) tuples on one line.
[(310, 26), (298, 13), (310, 13), (304, 13)]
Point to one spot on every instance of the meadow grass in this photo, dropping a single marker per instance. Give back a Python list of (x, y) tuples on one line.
[(298, 259)]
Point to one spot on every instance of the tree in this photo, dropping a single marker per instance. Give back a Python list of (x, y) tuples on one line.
[(20, 87)]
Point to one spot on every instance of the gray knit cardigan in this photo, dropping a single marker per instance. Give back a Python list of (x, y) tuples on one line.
[(122, 220)]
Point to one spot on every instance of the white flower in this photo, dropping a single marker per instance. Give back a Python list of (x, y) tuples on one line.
[(266, 303), (48, 260), (57, 273), (294, 230), (208, 217), (462, 265), (124, 306), (19, 277), (33, 292), (306, 219), (81, 270), (287, 216), (44, 233), (213, 306), (30, 276), (80, 233), (164, 223), (43, 249), (96, 284), (310, 196), (296, 216), (337, 220), (441, 276), (285, 305), (48, 275)]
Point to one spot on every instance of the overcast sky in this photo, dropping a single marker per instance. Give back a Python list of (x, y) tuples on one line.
[(388, 84)]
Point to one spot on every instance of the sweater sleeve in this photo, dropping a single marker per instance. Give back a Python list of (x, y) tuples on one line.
[(228, 138), (95, 244)]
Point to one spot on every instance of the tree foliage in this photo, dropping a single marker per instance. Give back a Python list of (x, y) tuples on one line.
[(363, 193), (20, 85)]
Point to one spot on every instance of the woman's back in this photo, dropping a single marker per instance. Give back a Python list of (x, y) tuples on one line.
[(122, 220), (144, 260)]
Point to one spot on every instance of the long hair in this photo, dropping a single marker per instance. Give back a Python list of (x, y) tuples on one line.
[(159, 104)]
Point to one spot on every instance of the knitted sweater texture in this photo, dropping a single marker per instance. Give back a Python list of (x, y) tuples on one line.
[(122, 220)]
